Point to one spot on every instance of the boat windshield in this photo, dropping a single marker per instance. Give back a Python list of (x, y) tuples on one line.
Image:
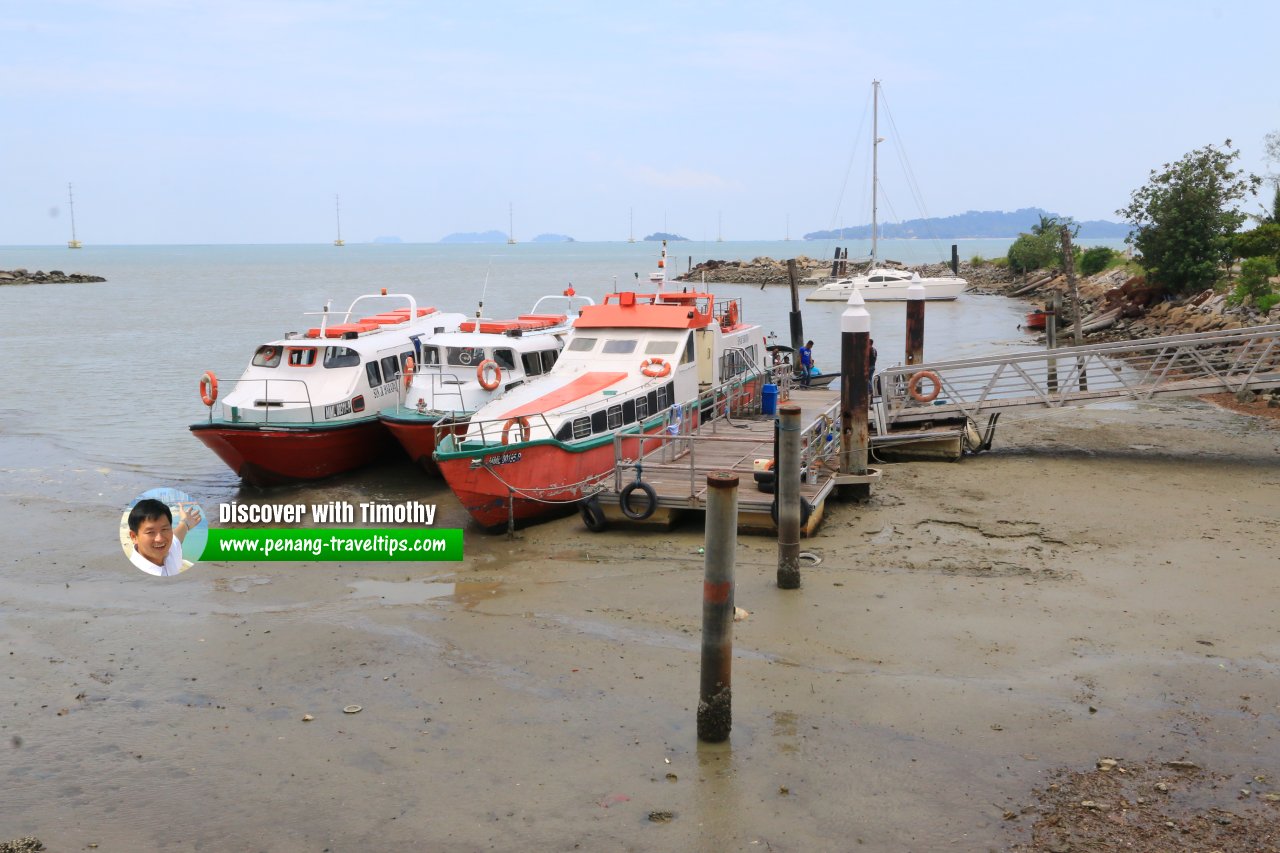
[(267, 356)]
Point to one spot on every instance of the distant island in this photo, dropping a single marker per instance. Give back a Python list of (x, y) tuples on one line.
[(973, 223), (553, 238), (475, 237), (387, 240), (673, 238)]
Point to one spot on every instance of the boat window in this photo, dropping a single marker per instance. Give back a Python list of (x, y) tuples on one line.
[(628, 411), (664, 397), (598, 421), (506, 359), (581, 427), (549, 357), (653, 402), (301, 356), (582, 344), (660, 347), (464, 356), (532, 366), (615, 417), (565, 432), (390, 368), (430, 355), (340, 357), (374, 374), (689, 351), (642, 408), (267, 356), (623, 345)]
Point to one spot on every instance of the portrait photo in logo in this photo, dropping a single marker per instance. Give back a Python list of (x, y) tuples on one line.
[(163, 532)]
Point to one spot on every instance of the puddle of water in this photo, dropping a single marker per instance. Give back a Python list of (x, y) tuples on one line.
[(399, 592)]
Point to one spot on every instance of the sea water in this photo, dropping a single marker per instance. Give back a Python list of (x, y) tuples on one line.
[(104, 377)]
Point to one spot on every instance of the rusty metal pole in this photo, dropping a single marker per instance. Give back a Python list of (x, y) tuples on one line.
[(715, 699), (855, 394), (786, 486), (1051, 336), (797, 324), (915, 324)]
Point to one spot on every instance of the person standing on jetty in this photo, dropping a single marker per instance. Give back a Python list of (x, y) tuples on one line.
[(806, 362)]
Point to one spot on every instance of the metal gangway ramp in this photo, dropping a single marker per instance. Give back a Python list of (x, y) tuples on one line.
[(1194, 364)]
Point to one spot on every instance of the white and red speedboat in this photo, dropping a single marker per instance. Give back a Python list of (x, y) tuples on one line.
[(633, 365), (461, 371), (307, 405)]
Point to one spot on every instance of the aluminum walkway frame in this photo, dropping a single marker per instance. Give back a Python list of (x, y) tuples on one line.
[(1202, 363)]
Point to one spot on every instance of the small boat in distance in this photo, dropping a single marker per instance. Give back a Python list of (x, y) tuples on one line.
[(882, 283), (73, 243), (1036, 320), (461, 371), (307, 405)]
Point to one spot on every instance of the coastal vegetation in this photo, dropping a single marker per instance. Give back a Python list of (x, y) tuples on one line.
[(1186, 216), (1041, 247)]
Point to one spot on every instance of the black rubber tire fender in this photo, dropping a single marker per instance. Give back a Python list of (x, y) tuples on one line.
[(806, 510), (624, 500), (592, 513)]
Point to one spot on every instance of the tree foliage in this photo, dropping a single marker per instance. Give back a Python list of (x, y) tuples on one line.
[(1042, 248), (1261, 242), (1185, 216), (1254, 284), (1095, 259)]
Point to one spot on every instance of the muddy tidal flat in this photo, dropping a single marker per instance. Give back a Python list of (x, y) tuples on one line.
[(1102, 587)]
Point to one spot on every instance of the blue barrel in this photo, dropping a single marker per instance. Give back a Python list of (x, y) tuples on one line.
[(769, 400)]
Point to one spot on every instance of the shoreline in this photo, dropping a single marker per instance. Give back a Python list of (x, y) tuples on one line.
[(972, 631)]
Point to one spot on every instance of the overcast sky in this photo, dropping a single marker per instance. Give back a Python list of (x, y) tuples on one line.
[(238, 121)]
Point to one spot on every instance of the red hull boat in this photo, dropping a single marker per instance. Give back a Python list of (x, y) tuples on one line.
[(266, 457)]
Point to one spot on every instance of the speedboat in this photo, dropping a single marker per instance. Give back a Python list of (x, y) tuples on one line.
[(885, 284), (461, 371), (307, 405), (633, 366)]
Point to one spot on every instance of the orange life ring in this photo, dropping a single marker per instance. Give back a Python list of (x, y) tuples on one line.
[(210, 396), (913, 386), (487, 384), (408, 371), (523, 423), (655, 367)]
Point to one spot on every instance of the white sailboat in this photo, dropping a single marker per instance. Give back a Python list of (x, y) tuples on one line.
[(880, 283), (73, 243), (337, 209)]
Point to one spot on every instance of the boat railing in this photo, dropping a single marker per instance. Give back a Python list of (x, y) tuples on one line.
[(266, 403), (443, 386), (678, 450)]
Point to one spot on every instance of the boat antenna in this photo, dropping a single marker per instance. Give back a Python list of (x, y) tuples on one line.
[(71, 205), (483, 291)]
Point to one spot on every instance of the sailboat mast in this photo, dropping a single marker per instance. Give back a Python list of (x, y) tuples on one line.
[(337, 211), (511, 224), (875, 163), (71, 206)]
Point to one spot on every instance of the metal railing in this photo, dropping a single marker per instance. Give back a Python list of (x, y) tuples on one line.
[(1192, 364), (264, 404)]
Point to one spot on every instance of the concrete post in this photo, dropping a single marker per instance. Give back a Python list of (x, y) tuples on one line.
[(915, 324), (855, 394), (1051, 336), (786, 486), (715, 699)]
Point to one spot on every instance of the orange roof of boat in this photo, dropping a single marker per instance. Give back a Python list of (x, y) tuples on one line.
[(648, 311)]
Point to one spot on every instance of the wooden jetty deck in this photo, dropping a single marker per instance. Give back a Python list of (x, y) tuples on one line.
[(676, 466)]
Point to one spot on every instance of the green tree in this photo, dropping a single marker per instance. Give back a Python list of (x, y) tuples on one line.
[(1254, 284), (1035, 251), (1095, 259), (1185, 216), (1261, 242)]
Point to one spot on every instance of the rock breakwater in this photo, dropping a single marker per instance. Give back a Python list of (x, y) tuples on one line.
[(22, 276)]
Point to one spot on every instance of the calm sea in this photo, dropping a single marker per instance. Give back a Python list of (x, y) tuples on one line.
[(103, 377)]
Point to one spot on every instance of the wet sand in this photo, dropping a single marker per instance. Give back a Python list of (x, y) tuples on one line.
[(1103, 584)]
